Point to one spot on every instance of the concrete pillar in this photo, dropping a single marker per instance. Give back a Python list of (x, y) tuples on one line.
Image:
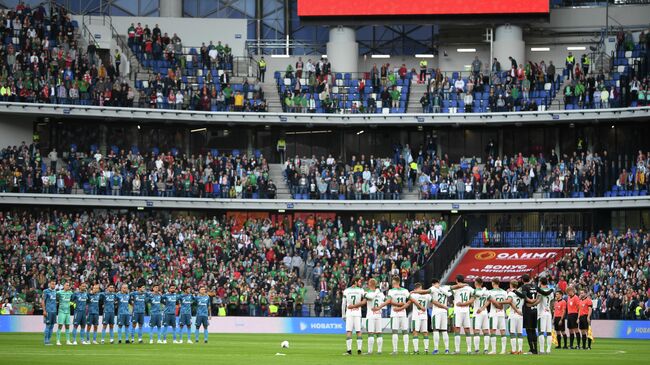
[(103, 139), (171, 8), (249, 142), (508, 42), (343, 50)]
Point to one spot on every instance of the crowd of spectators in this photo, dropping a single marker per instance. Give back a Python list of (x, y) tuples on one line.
[(359, 179), (248, 265), (166, 174), (41, 62), (520, 87), (190, 79), (615, 268), (583, 173), (579, 174), (312, 87)]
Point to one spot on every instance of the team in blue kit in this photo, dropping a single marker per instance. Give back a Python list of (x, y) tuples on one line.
[(139, 308), (155, 313), (108, 320), (80, 300), (203, 313), (93, 313), (123, 313), (170, 300), (185, 320), (49, 305), (128, 310)]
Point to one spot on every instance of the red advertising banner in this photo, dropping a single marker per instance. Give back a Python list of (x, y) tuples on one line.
[(505, 263), (336, 8)]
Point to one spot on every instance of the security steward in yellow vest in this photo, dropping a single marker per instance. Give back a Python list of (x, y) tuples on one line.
[(570, 63), (261, 65), (282, 148), (423, 70)]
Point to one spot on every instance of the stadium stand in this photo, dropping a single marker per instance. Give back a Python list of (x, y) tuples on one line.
[(119, 172), (42, 62), (615, 267), (24, 169), (185, 78), (248, 264), (189, 78)]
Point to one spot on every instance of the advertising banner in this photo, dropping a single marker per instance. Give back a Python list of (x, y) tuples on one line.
[(639, 330), (336, 8), (505, 263)]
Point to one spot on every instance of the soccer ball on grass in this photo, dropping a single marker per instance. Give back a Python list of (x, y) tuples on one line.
[(284, 344)]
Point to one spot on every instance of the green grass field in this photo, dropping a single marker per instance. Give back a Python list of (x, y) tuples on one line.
[(304, 349)]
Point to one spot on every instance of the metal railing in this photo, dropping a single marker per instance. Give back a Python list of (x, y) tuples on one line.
[(280, 46), (445, 252), (539, 268)]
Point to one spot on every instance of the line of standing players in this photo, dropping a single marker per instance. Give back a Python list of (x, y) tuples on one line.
[(127, 310), (526, 306)]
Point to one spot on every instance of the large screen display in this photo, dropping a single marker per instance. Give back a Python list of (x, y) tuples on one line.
[(339, 8)]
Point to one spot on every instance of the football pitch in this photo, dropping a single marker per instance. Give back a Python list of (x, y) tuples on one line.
[(304, 349)]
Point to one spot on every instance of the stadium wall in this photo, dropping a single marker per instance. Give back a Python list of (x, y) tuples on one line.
[(193, 31), (15, 129), (322, 325)]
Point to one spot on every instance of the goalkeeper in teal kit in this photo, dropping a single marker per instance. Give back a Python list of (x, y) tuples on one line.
[(63, 318), (203, 314)]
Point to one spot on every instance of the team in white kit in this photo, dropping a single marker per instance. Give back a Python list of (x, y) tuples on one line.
[(493, 310)]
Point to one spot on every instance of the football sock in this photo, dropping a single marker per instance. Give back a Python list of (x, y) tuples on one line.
[(469, 343), (348, 343), (380, 343), (445, 339), (436, 338), (426, 343), (371, 343), (457, 343), (405, 338), (395, 338)]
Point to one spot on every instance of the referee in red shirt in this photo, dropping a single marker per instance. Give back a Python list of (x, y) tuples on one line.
[(559, 314), (584, 321), (573, 306)]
